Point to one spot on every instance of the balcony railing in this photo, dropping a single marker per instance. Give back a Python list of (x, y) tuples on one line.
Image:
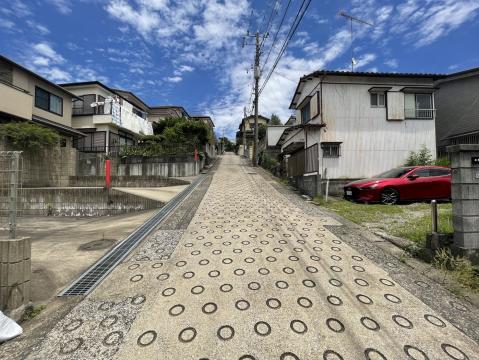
[(419, 113)]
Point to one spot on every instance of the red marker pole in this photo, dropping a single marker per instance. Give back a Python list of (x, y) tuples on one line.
[(107, 173)]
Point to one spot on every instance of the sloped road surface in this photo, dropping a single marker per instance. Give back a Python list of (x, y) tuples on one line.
[(252, 277)]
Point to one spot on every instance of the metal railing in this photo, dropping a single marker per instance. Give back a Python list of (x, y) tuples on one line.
[(419, 113)]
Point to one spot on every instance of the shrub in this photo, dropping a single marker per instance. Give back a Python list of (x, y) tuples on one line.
[(268, 163), (29, 137), (443, 161), (422, 157)]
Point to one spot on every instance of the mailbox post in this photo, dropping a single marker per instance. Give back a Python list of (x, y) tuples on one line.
[(465, 199)]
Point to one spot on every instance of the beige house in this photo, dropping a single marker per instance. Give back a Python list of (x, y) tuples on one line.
[(25, 95), (245, 135), (110, 118), (158, 113)]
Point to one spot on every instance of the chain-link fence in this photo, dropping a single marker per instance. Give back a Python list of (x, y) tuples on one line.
[(11, 166)]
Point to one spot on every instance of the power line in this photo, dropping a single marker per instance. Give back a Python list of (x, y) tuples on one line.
[(270, 21), (294, 27), (276, 34)]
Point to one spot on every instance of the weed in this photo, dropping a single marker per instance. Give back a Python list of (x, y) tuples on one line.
[(460, 268), (32, 311)]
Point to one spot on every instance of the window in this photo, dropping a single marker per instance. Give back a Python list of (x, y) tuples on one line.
[(101, 108), (83, 106), (439, 172), (331, 150), (418, 106), (378, 99), (422, 173), (305, 113), (48, 102)]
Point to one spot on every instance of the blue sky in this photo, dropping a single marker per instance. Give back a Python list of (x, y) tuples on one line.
[(189, 52)]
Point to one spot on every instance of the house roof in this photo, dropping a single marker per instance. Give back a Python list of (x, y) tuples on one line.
[(460, 75), (37, 76), (320, 73), (204, 117), (64, 129), (252, 117), (133, 98), (125, 94), (167, 107)]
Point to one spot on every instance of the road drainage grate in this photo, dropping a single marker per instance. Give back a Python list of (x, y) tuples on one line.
[(98, 271)]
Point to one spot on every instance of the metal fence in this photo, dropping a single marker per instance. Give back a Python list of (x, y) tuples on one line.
[(296, 164), (11, 168)]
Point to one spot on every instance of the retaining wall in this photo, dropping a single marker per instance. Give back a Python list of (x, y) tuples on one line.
[(81, 202), (126, 181)]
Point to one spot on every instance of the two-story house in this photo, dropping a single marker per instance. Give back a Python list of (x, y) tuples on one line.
[(351, 125), (457, 103), (25, 95), (245, 135), (110, 118)]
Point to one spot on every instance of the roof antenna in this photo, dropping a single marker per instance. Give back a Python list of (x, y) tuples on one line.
[(351, 19)]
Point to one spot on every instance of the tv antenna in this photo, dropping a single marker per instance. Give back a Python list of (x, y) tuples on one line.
[(353, 19)]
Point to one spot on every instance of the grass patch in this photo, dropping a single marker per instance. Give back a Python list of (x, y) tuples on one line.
[(460, 268), (411, 221)]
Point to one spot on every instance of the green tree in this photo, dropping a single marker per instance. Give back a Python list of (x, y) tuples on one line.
[(27, 136), (275, 120)]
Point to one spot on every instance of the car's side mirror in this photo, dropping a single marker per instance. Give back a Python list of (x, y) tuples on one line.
[(412, 177)]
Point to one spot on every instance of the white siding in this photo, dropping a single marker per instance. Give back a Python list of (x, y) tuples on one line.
[(370, 143)]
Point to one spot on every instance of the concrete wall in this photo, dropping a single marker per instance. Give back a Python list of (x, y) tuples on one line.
[(15, 273), (47, 167), (81, 202), (161, 169), (465, 200)]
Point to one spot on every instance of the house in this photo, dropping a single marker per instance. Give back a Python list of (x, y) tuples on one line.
[(158, 113), (210, 148), (245, 135), (352, 125), (457, 115), (110, 118), (26, 96)]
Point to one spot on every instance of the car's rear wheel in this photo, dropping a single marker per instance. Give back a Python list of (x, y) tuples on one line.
[(389, 196)]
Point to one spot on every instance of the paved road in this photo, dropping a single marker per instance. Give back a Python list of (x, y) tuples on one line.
[(252, 277)]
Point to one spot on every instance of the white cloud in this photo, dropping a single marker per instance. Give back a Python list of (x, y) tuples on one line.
[(43, 30), (174, 79), (63, 6), (392, 63), (55, 74)]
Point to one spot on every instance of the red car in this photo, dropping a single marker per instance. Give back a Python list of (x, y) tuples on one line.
[(409, 183)]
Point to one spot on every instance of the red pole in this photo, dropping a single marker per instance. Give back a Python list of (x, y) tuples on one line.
[(107, 173)]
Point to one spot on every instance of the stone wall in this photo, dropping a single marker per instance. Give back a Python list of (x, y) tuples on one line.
[(165, 166)]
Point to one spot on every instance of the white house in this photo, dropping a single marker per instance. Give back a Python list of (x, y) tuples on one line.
[(110, 118), (353, 125)]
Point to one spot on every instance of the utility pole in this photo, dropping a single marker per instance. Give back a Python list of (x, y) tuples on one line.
[(256, 84)]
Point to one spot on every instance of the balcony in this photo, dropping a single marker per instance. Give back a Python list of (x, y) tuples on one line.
[(15, 101), (419, 113), (117, 114)]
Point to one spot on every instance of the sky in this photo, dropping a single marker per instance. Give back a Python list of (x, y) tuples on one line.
[(190, 52)]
